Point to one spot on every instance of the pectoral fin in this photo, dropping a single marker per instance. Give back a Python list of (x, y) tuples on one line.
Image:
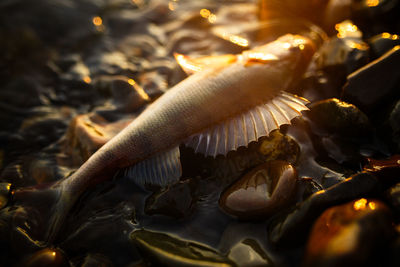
[(162, 169), (249, 126)]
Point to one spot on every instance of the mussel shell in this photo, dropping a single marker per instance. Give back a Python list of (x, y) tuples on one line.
[(261, 192)]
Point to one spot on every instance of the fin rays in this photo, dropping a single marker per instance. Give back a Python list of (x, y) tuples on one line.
[(249, 126)]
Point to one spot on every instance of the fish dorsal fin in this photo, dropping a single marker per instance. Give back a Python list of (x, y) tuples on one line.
[(193, 65), (162, 169), (247, 127)]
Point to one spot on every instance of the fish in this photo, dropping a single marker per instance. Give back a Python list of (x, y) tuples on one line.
[(225, 103)]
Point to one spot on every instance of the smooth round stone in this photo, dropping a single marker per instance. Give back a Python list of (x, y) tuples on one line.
[(261, 192), (341, 118), (46, 257), (351, 234)]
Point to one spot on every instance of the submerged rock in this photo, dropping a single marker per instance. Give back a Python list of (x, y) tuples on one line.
[(89, 132), (352, 234), (171, 251), (261, 192)]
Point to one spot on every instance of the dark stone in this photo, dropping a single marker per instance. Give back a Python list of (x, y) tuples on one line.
[(341, 118), (96, 260), (374, 83), (352, 234), (261, 192), (290, 228)]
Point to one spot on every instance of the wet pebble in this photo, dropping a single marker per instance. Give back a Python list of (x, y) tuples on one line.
[(261, 192), (353, 234), (46, 257), (290, 228), (365, 87), (88, 132), (249, 253), (172, 251), (278, 146), (176, 201), (341, 118)]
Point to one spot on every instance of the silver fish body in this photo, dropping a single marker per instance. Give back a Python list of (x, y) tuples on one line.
[(204, 99)]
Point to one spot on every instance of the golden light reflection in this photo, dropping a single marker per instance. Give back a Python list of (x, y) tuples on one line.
[(212, 18), (53, 253), (347, 29), (205, 13), (87, 79), (357, 45), (139, 89), (371, 3), (360, 204), (387, 35), (138, 3), (286, 45), (261, 56), (186, 65), (171, 6), (97, 21), (372, 205)]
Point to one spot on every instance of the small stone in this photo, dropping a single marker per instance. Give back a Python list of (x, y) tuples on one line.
[(278, 146), (351, 234), (46, 257), (171, 251), (261, 192), (176, 201), (5, 192), (374, 83), (338, 117), (249, 253), (88, 132)]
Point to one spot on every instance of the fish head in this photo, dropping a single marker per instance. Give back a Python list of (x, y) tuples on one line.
[(277, 65), (289, 48)]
